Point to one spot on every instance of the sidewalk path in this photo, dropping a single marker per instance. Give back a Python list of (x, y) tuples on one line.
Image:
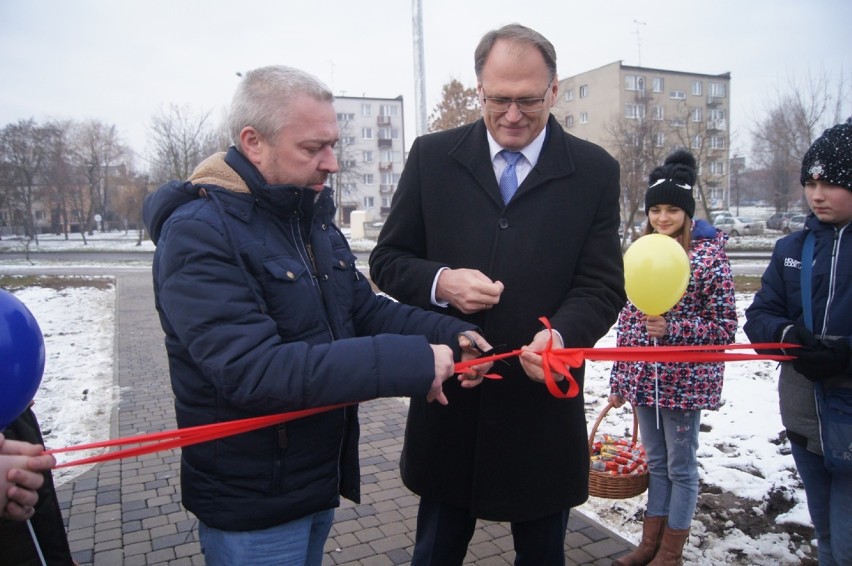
[(128, 512)]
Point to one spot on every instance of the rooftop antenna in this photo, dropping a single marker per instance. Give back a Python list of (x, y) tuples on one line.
[(639, 41)]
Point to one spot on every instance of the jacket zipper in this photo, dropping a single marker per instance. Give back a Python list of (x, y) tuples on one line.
[(832, 277)]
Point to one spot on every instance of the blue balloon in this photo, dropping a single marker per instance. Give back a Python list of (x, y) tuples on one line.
[(21, 357)]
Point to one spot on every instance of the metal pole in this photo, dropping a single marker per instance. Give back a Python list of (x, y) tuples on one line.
[(419, 66)]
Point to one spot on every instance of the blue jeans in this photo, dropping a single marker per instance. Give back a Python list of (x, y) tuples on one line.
[(295, 543), (829, 501), (672, 463)]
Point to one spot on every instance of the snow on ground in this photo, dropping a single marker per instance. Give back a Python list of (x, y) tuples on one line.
[(75, 400), (742, 462), (739, 454)]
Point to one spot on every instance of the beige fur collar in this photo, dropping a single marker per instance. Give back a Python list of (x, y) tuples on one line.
[(215, 171)]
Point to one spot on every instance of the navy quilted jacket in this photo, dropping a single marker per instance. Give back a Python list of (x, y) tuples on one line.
[(779, 302), (264, 312)]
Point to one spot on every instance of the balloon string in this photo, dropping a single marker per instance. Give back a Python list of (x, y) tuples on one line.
[(657, 387)]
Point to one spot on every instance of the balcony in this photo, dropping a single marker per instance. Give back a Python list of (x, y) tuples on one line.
[(716, 125), (383, 142), (385, 166), (386, 189), (714, 100), (383, 120)]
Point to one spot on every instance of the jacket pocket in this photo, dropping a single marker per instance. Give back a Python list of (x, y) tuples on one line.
[(291, 298)]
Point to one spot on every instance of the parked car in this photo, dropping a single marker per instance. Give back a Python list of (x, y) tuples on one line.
[(795, 224), (779, 220), (717, 214), (740, 226)]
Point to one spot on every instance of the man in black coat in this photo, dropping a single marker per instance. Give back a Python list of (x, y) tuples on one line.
[(506, 450)]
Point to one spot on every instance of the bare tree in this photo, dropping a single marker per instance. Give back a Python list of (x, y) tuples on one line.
[(98, 152), (23, 154), (790, 125), (458, 106), (695, 132), (181, 140), (60, 179), (638, 143), (349, 158)]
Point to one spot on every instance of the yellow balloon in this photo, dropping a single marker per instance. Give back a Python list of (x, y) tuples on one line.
[(656, 273)]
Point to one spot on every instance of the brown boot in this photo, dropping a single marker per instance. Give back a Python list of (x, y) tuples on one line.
[(652, 536), (671, 550)]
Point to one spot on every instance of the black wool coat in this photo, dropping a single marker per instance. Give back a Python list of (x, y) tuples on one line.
[(507, 450)]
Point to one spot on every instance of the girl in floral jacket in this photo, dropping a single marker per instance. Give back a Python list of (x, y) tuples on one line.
[(668, 397)]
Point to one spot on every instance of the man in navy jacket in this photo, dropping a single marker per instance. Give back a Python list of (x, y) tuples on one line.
[(264, 312)]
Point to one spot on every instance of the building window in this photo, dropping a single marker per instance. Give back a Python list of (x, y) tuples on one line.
[(584, 117), (366, 133), (634, 111), (391, 157), (717, 168), (366, 110), (368, 179), (717, 142), (348, 163), (659, 139), (634, 82), (696, 88), (368, 157), (717, 90), (584, 91), (369, 202), (715, 114), (347, 140), (345, 117), (657, 84), (696, 115), (569, 95), (658, 113), (388, 133), (386, 202), (388, 110), (677, 123), (569, 120), (696, 142), (677, 95)]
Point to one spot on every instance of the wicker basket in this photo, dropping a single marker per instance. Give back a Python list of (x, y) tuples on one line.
[(615, 486)]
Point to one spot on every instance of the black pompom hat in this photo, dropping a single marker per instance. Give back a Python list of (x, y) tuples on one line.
[(829, 159), (671, 183)]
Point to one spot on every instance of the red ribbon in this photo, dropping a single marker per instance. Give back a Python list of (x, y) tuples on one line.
[(561, 360), (554, 361), (154, 442)]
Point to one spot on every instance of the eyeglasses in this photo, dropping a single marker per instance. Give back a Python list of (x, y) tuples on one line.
[(525, 105)]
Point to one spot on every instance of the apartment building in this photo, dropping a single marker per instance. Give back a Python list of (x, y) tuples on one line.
[(679, 109), (371, 153)]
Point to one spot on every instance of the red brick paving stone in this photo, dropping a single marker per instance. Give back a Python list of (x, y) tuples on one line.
[(132, 503)]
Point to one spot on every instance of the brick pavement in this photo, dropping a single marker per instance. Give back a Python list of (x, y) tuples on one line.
[(128, 512)]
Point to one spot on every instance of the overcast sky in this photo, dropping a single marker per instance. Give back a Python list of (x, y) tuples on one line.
[(120, 61)]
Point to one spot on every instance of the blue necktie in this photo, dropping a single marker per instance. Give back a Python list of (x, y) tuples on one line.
[(509, 179)]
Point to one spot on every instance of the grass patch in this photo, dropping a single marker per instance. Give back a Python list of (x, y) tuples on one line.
[(747, 283), (57, 282)]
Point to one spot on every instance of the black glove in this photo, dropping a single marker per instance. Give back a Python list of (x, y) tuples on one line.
[(817, 359)]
